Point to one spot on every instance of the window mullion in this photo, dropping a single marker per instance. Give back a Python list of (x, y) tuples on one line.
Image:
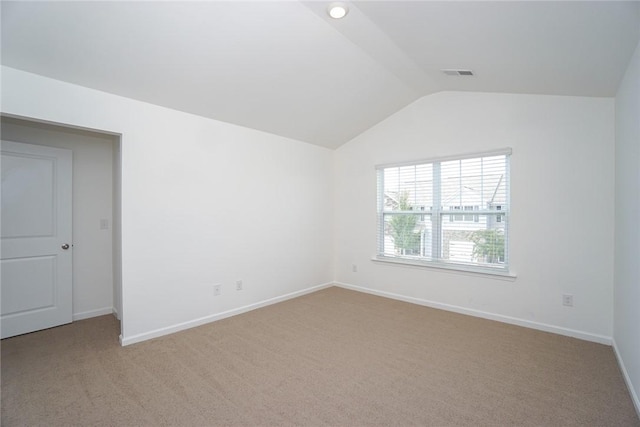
[(381, 211), (436, 219)]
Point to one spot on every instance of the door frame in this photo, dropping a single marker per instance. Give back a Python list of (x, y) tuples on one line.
[(116, 226)]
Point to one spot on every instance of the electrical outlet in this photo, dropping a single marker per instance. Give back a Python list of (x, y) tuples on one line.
[(567, 300), (238, 285), (354, 268), (216, 290)]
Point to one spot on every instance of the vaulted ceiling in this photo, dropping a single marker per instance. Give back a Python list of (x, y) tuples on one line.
[(286, 68)]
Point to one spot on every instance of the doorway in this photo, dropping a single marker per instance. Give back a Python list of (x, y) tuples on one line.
[(96, 271)]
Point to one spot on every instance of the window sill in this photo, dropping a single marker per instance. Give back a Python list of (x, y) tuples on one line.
[(447, 268)]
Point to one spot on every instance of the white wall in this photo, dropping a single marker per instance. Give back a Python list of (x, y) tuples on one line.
[(626, 325), (562, 179), (92, 201), (203, 202)]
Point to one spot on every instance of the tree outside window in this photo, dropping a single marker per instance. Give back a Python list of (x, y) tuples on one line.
[(403, 228), (488, 245)]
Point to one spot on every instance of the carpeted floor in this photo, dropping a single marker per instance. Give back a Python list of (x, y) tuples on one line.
[(334, 357)]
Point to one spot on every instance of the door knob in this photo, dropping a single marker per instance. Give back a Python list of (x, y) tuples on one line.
[(65, 246)]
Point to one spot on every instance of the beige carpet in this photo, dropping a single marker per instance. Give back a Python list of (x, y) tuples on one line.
[(335, 357)]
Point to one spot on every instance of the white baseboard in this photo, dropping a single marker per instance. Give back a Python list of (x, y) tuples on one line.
[(627, 379), (601, 339), (219, 316), (92, 313)]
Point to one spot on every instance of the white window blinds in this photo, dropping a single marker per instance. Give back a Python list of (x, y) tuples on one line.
[(451, 212)]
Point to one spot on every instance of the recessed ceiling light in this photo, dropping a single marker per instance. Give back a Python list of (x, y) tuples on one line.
[(337, 10)]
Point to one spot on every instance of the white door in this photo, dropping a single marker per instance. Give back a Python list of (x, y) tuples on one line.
[(36, 288)]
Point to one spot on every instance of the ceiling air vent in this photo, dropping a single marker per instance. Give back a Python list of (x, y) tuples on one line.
[(458, 72)]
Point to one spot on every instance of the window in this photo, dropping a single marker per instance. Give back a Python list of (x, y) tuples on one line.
[(450, 213)]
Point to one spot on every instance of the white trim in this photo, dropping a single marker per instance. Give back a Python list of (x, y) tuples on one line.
[(498, 152), (448, 268), (601, 339), (627, 379), (54, 123), (93, 313), (219, 316)]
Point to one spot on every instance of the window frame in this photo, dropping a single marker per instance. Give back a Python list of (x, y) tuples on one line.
[(438, 213)]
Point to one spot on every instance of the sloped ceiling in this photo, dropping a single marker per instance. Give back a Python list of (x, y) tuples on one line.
[(286, 68)]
